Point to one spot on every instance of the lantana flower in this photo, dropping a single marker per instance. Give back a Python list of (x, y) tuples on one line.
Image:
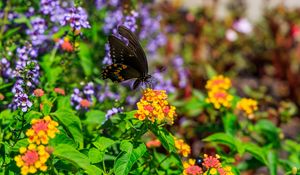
[(212, 161), (218, 82), (190, 168), (32, 159), (219, 97), (155, 107), (182, 148), (42, 130), (153, 143), (249, 106)]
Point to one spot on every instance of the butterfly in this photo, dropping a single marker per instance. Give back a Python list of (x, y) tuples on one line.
[(129, 60)]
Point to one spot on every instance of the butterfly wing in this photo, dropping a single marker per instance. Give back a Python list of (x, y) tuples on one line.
[(120, 72), (136, 46), (123, 54)]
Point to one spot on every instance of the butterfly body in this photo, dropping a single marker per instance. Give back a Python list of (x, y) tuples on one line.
[(129, 60)]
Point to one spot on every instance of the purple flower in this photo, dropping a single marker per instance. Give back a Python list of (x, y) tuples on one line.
[(27, 77), (112, 20), (48, 6), (78, 96), (130, 21), (37, 32), (21, 100), (112, 112), (5, 69), (76, 17), (162, 83), (182, 73), (105, 93), (107, 58)]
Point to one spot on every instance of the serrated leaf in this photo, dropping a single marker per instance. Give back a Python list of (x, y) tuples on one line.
[(128, 157), (71, 123)]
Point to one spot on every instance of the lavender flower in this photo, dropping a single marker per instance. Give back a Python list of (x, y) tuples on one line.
[(83, 99), (130, 21), (106, 93), (37, 31), (162, 83), (27, 77), (112, 112), (112, 20), (182, 73), (48, 6), (5, 70), (107, 58), (76, 98), (76, 17), (21, 100)]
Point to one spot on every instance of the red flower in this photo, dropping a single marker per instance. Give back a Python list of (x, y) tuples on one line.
[(59, 91), (85, 103), (38, 92)]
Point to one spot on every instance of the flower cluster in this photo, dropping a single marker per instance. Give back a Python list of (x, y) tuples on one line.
[(76, 17), (155, 107), (217, 92), (248, 106), (83, 99), (182, 148), (218, 82), (5, 69), (42, 130), (37, 32), (32, 159), (182, 73), (190, 168), (48, 6), (112, 112), (211, 165), (27, 77), (35, 156)]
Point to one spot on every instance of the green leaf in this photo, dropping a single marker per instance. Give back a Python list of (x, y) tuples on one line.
[(269, 131), (230, 122), (256, 152), (128, 157), (71, 123), (70, 154), (222, 138), (85, 59), (165, 138), (93, 170), (102, 143), (95, 117), (272, 162), (47, 105), (95, 155), (62, 138), (19, 144)]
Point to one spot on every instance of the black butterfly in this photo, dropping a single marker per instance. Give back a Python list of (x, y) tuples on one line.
[(129, 60)]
